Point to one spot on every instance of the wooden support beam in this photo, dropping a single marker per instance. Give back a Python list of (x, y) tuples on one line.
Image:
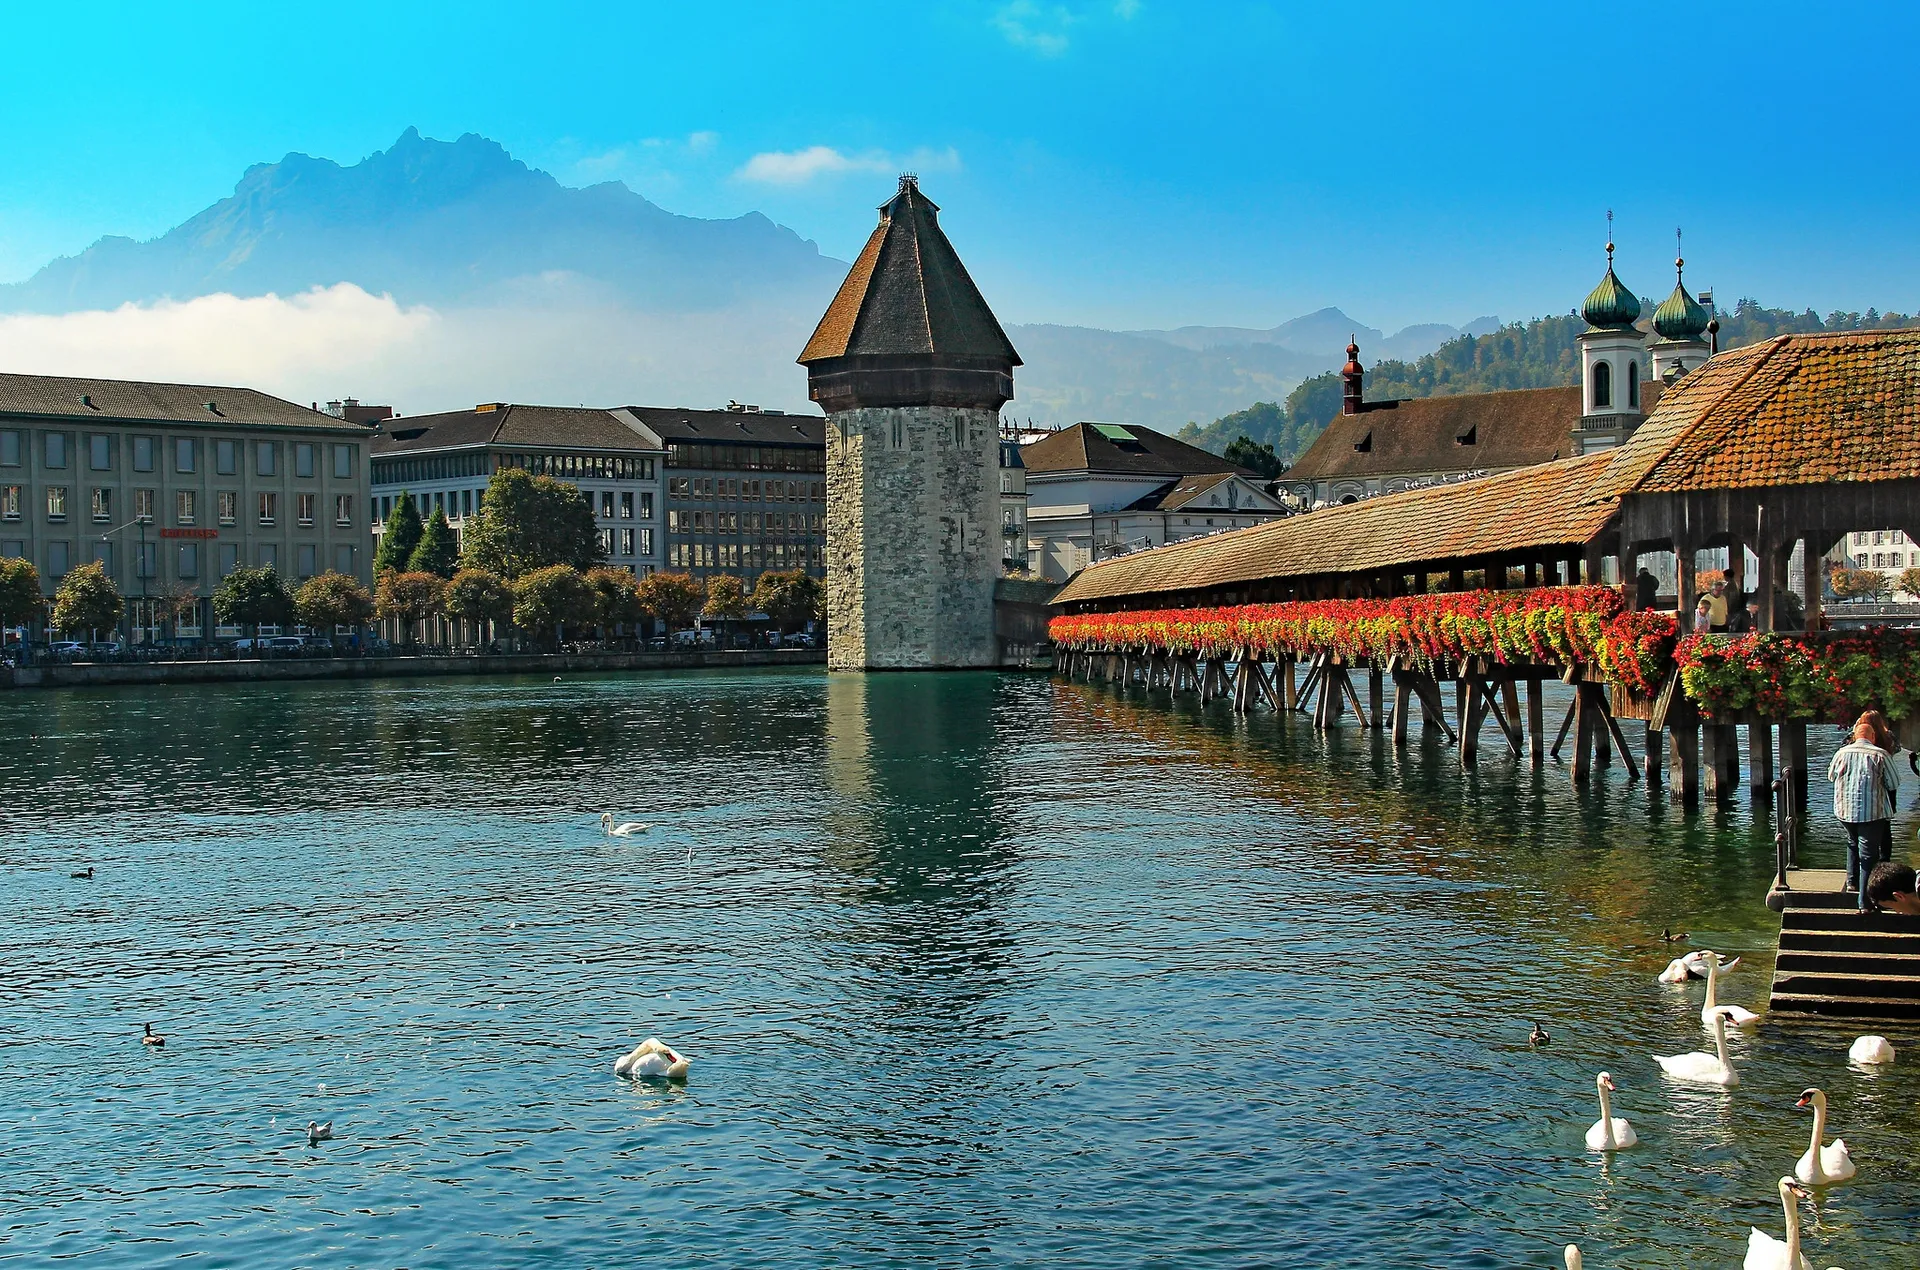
[(1536, 720), (1760, 760), (1573, 709), (1720, 746), (1619, 737), (1473, 718), (1602, 735), (1509, 722), (1402, 705), (1291, 689), (1793, 759), (1353, 695), (1683, 746), (1656, 749), (1583, 729), (1376, 697)]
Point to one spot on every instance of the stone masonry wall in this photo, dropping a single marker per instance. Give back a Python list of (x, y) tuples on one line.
[(913, 537)]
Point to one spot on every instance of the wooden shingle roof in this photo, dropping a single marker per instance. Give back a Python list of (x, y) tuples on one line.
[(1125, 448), (908, 294), (1537, 507)]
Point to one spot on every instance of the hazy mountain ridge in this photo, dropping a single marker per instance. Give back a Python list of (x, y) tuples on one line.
[(435, 222)]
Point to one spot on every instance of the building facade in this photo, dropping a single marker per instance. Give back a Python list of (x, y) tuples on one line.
[(173, 486), (1100, 490), (912, 368), (746, 490), (445, 461), (1013, 507)]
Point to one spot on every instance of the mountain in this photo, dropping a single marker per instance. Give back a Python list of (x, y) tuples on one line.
[(438, 222), (1325, 333)]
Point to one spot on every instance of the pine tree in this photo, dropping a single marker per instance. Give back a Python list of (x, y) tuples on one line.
[(400, 537), (438, 552)]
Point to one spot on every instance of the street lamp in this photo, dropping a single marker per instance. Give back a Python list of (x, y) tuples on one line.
[(140, 565)]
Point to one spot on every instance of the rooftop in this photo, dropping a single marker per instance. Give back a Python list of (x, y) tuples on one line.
[(1127, 449), (139, 401), (645, 428)]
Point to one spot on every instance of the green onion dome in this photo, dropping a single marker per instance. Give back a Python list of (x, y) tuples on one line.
[(1611, 305), (1680, 316)]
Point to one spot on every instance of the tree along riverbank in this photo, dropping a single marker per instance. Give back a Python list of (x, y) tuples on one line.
[(105, 674)]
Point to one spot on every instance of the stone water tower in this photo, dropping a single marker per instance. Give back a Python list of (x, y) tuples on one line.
[(911, 368)]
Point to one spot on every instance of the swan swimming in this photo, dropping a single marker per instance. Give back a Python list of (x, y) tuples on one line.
[(1609, 1133), (652, 1057), (1871, 1049), (1739, 1016), (625, 830), (1693, 966), (151, 1037), (318, 1133), (1703, 1069), (1822, 1166), (1764, 1252), (1573, 1257)]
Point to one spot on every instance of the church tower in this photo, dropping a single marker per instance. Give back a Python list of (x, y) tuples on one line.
[(1612, 355), (911, 368), (1680, 321)]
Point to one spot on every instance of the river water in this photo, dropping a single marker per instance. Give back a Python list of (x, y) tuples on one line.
[(974, 970)]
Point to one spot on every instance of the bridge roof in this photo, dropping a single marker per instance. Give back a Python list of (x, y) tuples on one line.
[(1536, 507), (1840, 408)]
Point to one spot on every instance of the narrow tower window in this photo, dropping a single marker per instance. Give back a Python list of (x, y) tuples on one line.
[(1633, 385), (1602, 385)]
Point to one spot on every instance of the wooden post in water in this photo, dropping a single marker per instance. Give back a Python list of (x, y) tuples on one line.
[(1602, 738), (1760, 760), (1656, 744), (1793, 760), (1536, 717), (1582, 735), (1720, 743), (1290, 686), (1402, 706), (1376, 697), (1474, 715)]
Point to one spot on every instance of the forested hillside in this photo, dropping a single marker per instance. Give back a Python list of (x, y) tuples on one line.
[(1542, 353)]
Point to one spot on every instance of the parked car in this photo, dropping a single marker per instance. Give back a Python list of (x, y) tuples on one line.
[(317, 643), (66, 648)]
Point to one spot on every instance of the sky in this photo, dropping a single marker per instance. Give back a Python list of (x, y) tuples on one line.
[(1114, 163)]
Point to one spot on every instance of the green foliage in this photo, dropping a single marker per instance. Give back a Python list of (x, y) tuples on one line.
[(409, 598), (252, 597), (674, 598), (1246, 452), (529, 522), (547, 599), (1264, 423), (1749, 323), (438, 551), (399, 538), (616, 597), (87, 601), (1909, 583), (20, 598), (479, 596), (790, 597), (332, 599)]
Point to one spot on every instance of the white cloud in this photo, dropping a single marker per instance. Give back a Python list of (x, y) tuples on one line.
[(554, 339), (797, 167), (1045, 28), (703, 141)]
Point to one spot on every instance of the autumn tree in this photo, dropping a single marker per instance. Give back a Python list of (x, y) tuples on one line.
[(477, 596), (332, 599), (1909, 583), (549, 599), (726, 599), (616, 598), (529, 522), (674, 598), (438, 551), (409, 598), (399, 538), (790, 597), (20, 598)]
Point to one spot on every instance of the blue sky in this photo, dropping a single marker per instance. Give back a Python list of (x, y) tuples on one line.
[(1115, 163)]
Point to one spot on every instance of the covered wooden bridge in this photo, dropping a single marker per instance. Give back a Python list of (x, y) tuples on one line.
[(1777, 448)]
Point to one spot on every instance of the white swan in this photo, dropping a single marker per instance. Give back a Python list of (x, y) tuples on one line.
[(1871, 1049), (1764, 1252), (1573, 1257), (1822, 1166), (624, 830), (1610, 1133), (1739, 1016), (1703, 1069), (317, 1133), (652, 1057), (1693, 966)]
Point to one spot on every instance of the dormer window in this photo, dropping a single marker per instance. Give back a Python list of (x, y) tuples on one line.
[(1365, 444), (1470, 437)]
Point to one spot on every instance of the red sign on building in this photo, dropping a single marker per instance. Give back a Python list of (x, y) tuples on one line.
[(189, 533)]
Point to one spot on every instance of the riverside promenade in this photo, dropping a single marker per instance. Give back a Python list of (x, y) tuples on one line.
[(113, 674)]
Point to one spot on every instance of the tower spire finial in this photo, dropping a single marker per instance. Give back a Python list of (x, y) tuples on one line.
[(1609, 238), (1679, 260)]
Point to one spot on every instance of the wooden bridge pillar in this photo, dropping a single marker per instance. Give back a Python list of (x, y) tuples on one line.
[(1760, 760), (1684, 746), (1720, 754), (1656, 745), (1472, 718), (1793, 760), (1376, 698), (1583, 722), (1536, 718), (1290, 687)]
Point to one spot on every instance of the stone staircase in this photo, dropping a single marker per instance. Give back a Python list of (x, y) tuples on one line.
[(1837, 961)]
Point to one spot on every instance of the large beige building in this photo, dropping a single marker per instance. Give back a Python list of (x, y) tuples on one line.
[(173, 486)]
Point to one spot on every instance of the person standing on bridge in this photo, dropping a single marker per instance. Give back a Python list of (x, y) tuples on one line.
[(1864, 789)]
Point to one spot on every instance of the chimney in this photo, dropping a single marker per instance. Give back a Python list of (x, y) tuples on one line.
[(1353, 375)]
